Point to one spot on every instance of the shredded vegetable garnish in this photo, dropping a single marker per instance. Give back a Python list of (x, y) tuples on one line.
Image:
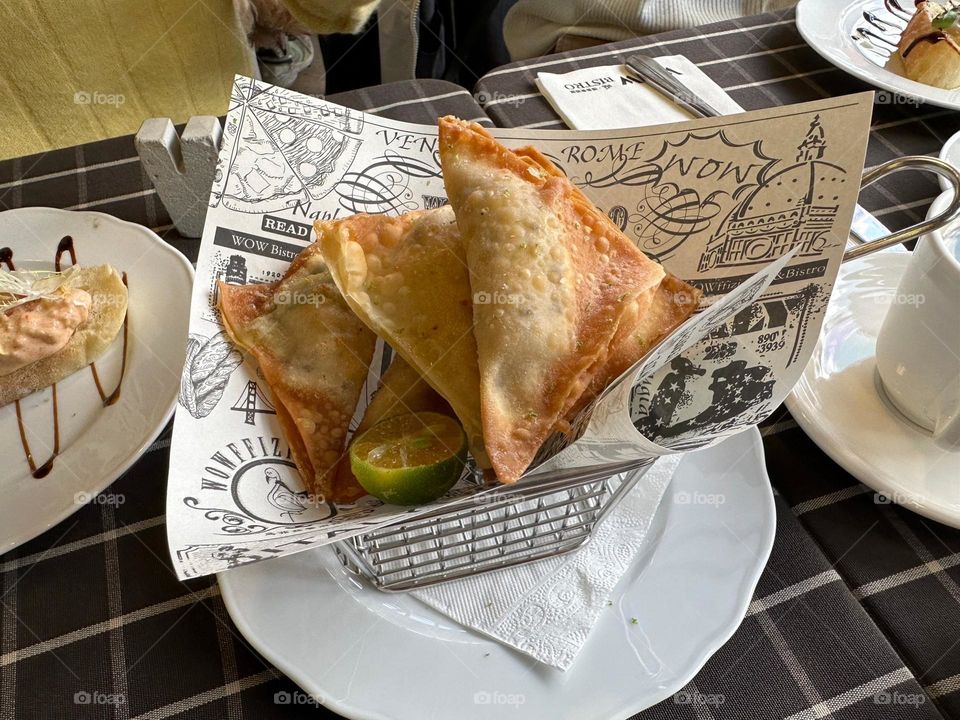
[(22, 286), (945, 20)]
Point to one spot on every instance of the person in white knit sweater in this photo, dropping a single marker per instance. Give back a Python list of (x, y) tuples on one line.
[(532, 27)]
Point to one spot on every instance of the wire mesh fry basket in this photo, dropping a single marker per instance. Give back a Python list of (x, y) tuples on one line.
[(548, 514), (510, 525)]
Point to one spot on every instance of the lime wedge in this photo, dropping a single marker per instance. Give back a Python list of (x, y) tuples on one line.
[(410, 459)]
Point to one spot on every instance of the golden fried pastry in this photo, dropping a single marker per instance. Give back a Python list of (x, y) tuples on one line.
[(930, 45), (406, 278), (551, 277), (649, 319), (314, 354)]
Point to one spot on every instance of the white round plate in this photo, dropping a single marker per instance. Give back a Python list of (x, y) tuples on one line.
[(838, 402), (829, 27), (97, 444), (950, 152), (378, 656)]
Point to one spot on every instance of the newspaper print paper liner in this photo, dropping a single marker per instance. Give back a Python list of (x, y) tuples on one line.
[(754, 209)]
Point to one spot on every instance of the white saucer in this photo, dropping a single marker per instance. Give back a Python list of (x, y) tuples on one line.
[(377, 656), (97, 444), (838, 403), (950, 152)]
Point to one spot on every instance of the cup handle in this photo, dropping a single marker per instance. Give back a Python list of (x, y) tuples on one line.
[(922, 164)]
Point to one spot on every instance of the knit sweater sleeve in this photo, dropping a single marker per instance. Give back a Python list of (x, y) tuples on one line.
[(532, 27), (332, 16)]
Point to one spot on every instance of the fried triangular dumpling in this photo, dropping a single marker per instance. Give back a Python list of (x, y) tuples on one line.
[(550, 276), (314, 354), (406, 278), (402, 390), (647, 320), (650, 317)]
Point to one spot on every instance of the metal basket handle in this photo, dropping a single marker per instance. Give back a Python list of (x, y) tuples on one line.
[(913, 162)]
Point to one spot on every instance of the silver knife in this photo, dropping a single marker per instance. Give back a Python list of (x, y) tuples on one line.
[(865, 226)]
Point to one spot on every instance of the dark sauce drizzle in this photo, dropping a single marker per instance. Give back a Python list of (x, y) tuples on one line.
[(878, 22), (64, 247), (110, 399), (932, 38), (43, 470), (870, 34), (896, 8)]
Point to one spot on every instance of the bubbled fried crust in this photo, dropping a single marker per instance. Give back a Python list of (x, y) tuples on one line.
[(314, 355), (406, 277), (536, 357)]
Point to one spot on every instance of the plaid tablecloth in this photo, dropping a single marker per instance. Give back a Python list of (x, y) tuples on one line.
[(901, 568), (855, 616)]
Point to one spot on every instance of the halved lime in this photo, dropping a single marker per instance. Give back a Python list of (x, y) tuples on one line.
[(410, 459)]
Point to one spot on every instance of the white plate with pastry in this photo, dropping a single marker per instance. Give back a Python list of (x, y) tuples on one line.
[(390, 656), (911, 51), (90, 357)]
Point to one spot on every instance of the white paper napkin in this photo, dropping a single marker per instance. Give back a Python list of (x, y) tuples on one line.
[(547, 609), (602, 98)]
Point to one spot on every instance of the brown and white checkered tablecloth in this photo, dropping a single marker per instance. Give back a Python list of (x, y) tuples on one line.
[(857, 615)]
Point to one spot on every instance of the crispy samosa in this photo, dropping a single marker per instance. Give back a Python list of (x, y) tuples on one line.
[(649, 318), (406, 277), (314, 354), (53, 337), (645, 323), (550, 276), (402, 390)]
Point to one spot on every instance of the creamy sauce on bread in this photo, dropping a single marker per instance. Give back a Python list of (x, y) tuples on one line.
[(39, 328)]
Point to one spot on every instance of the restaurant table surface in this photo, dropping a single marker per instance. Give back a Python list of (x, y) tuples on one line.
[(857, 614)]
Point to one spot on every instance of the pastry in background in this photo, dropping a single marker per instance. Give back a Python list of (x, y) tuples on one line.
[(930, 45), (53, 324), (314, 354)]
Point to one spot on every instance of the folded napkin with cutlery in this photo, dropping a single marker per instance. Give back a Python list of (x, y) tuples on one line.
[(546, 609), (609, 97)]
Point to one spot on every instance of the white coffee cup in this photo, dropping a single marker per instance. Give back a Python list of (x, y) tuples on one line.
[(918, 348)]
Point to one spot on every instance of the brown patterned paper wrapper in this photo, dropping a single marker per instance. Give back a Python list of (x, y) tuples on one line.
[(753, 209)]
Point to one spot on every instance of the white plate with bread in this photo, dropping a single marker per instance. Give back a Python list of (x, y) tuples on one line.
[(93, 313), (910, 49)]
